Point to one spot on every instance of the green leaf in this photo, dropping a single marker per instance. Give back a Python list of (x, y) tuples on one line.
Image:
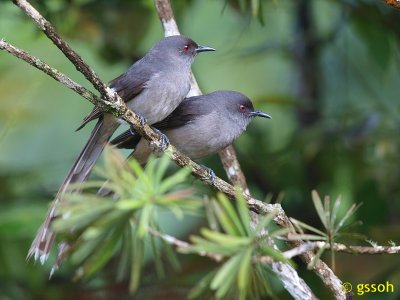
[(157, 257), (137, 168), (275, 254), (103, 253), (263, 222), (88, 185), (85, 249), (137, 261), (327, 209), (255, 4), (223, 280), (348, 214), (145, 217), (162, 166), (244, 212), (260, 282), (261, 16), (82, 217), (307, 227), (202, 287), (171, 255), (279, 233), (307, 237), (319, 208), (231, 214), (224, 239), (202, 245), (317, 256), (224, 219), (130, 204), (126, 250), (174, 180), (335, 211), (112, 218), (244, 270)]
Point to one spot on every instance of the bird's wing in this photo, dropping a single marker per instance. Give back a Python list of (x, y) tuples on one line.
[(94, 114), (126, 140), (189, 109), (128, 86), (134, 80)]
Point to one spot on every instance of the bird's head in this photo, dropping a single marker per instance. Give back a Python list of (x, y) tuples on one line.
[(179, 48)]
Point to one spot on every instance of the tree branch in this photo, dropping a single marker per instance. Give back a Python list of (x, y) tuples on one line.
[(55, 74), (182, 246), (233, 169), (74, 57), (364, 250), (337, 247)]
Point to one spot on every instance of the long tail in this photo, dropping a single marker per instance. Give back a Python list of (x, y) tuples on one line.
[(79, 172)]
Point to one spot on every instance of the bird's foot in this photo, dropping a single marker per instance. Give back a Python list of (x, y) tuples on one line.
[(142, 120), (159, 150), (210, 174)]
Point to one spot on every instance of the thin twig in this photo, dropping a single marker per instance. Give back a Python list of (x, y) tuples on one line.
[(182, 246), (54, 73), (364, 250), (232, 168), (338, 247), (74, 57)]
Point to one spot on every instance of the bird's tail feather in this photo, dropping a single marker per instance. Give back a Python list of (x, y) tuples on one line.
[(79, 172)]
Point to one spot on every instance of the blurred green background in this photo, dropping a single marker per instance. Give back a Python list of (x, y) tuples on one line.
[(327, 71)]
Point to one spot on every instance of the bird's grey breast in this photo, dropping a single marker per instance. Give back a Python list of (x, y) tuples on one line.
[(162, 94)]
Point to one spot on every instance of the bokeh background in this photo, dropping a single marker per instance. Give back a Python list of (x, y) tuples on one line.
[(328, 71)]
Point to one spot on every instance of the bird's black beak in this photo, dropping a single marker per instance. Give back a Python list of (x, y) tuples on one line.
[(204, 49), (260, 114)]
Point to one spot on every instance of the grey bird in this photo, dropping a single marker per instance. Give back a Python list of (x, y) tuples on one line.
[(152, 87), (199, 126)]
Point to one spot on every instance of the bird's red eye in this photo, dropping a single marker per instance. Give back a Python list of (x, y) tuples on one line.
[(186, 48), (242, 108)]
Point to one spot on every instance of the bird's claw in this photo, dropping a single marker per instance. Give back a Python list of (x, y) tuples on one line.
[(142, 120), (210, 174), (164, 141)]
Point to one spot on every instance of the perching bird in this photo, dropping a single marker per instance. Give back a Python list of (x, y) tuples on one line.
[(152, 87), (199, 126)]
